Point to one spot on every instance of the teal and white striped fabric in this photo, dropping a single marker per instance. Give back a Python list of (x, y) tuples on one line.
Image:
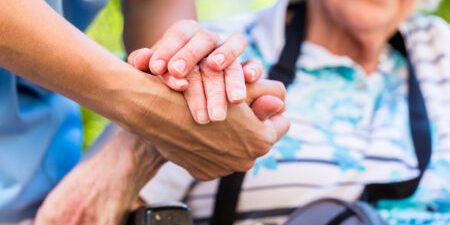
[(348, 129)]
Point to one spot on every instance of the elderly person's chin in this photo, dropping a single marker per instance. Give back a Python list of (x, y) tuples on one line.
[(368, 15)]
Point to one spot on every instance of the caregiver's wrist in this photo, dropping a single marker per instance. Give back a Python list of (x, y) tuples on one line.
[(117, 89), (147, 107)]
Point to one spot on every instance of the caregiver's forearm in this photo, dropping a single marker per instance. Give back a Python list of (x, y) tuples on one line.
[(146, 20), (39, 45)]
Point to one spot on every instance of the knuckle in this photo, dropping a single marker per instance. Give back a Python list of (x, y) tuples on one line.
[(245, 165), (183, 29), (210, 76), (241, 39), (194, 77), (189, 54), (235, 71), (280, 88), (231, 54), (210, 38), (262, 150), (181, 35), (217, 94)]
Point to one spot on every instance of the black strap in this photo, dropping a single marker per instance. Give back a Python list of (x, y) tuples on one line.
[(284, 71), (230, 187), (420, 133), (226, 199)]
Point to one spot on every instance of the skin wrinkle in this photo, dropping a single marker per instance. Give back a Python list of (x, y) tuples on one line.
[(239, 137), (137, 163), (85, 70)]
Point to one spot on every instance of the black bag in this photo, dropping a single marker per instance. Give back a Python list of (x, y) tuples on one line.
[(335, 211)]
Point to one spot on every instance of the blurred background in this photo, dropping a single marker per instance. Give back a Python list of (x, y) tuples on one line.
[(107, 31)]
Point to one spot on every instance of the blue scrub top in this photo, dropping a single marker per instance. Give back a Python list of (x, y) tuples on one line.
[(40, 131)]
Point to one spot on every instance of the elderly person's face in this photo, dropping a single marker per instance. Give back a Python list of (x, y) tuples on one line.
[(367, 15)]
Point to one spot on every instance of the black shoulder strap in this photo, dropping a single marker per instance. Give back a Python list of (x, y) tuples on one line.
[(420, 133), (226, 199), (230, 187), (284, 70)]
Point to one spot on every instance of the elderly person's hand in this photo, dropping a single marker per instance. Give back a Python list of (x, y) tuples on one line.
[(102, 189), (210, 75)]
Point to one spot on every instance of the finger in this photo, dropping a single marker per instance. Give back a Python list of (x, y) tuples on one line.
[(172, 41), (265, 87), (200, 45), (140, 59), (214, 86), (235, 83), (267, 106), (253, 70), (195, 97), (279, 125), (229, 51), (130, 59), (176, 84)]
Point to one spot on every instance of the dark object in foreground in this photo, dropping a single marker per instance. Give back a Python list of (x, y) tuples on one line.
[(173, 214)]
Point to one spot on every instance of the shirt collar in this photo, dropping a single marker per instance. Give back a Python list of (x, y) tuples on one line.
[(269, 35), (268, 32)]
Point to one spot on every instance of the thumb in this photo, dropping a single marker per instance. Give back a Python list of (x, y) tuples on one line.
[(265, 87), (267, 106), (140, 59)]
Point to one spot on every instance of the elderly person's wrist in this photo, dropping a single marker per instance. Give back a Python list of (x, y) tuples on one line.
[(102, 189)]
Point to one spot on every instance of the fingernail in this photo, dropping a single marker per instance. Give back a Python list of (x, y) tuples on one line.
[(179, 65), (252, 73), (281, 107), (219, 59), (158, 66), (134, 59), (237, 95), (202, 117), (218, 114), (181, 83)]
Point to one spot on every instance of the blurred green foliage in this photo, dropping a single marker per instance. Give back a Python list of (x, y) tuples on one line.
[(444, 10), (107, 31)]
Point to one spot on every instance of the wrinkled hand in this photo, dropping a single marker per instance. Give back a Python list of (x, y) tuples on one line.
[(215, 149), (102, 189), (208, 84)]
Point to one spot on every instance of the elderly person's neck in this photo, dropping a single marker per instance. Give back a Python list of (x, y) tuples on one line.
[(357, 35), (363, 47)]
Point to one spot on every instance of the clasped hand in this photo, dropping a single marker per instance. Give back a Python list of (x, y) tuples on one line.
[(232, 124), (190, 59)]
